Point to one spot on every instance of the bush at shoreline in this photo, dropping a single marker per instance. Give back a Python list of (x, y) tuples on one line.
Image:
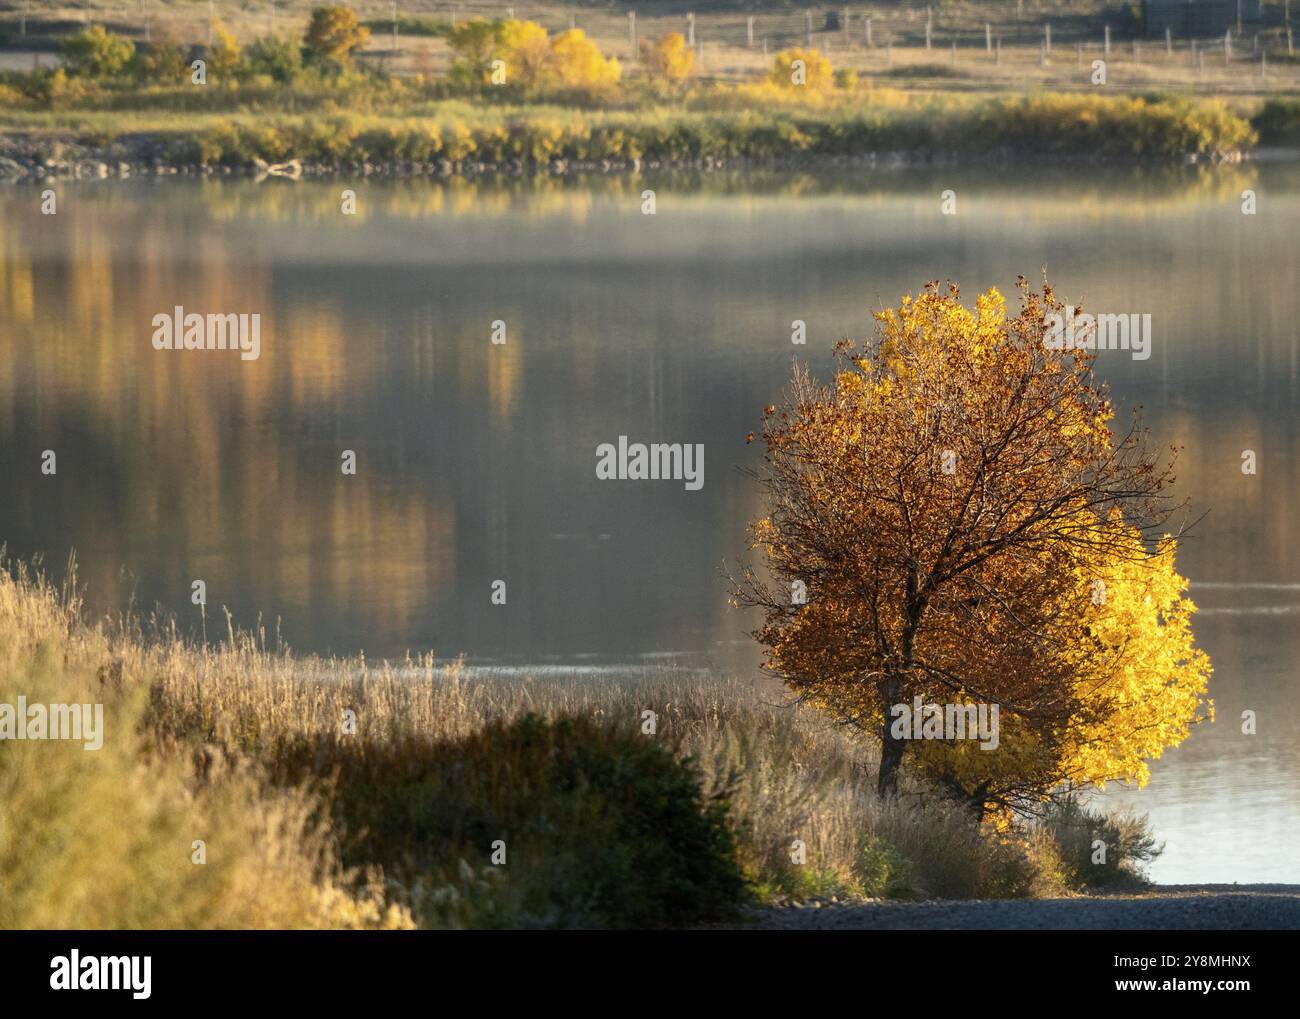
[(1082, 128)]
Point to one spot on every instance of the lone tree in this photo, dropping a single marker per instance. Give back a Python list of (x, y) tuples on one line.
[(334, 34), (954, 520), (668, 58), (98, 53)]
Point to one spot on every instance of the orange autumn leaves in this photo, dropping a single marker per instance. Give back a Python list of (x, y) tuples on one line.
[(968, 528)]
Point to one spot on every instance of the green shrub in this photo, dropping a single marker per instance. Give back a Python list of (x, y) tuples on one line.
[(278, 59), (882, 872), (435, 28), (1278, 122), (161, 62), (602, 827), (1129, 845), (97, 53)]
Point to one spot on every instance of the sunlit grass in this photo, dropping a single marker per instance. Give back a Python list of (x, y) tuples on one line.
[(389, 121), (311, 820)]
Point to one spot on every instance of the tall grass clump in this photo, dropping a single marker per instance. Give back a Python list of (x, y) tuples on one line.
[(107, 838), (1081, 833)]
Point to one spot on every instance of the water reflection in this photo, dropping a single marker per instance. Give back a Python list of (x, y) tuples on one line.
[(477, 461)]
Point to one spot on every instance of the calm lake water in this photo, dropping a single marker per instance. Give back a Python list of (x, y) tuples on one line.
[(476, 462)]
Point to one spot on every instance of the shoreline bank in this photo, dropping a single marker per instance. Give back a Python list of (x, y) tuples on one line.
[(20, 160), (451, 139)]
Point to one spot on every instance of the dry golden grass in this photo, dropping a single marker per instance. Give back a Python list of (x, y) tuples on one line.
[(195, 735), (104, 838)]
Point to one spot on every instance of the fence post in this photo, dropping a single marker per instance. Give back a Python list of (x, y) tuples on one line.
[(988, 38), (1169, 42), (1047, 37), (870, 44), (808, 27), (1106, 45), (749, 30), (1227, 46), (631, 31), (690, 29), (929, 24)]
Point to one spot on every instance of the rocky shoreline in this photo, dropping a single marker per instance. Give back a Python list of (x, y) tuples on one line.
[(27, 156)]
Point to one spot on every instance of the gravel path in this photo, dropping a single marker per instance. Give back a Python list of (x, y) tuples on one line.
[(1169, 907)]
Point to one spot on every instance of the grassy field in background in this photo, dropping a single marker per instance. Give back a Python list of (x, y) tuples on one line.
[(897, 51), (891, 96)]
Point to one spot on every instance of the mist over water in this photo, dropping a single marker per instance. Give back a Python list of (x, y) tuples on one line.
[(477, 462)]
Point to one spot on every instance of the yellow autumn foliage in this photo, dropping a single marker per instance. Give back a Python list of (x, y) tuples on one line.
[(668, 58), (1140, 667), (952, 505), (526, 50), (520, 54), (577, 62), (802, 68)]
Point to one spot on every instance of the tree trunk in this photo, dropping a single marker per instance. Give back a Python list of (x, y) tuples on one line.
[(891, 749)]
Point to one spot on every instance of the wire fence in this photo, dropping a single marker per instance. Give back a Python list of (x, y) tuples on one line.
[(1185, 32)]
